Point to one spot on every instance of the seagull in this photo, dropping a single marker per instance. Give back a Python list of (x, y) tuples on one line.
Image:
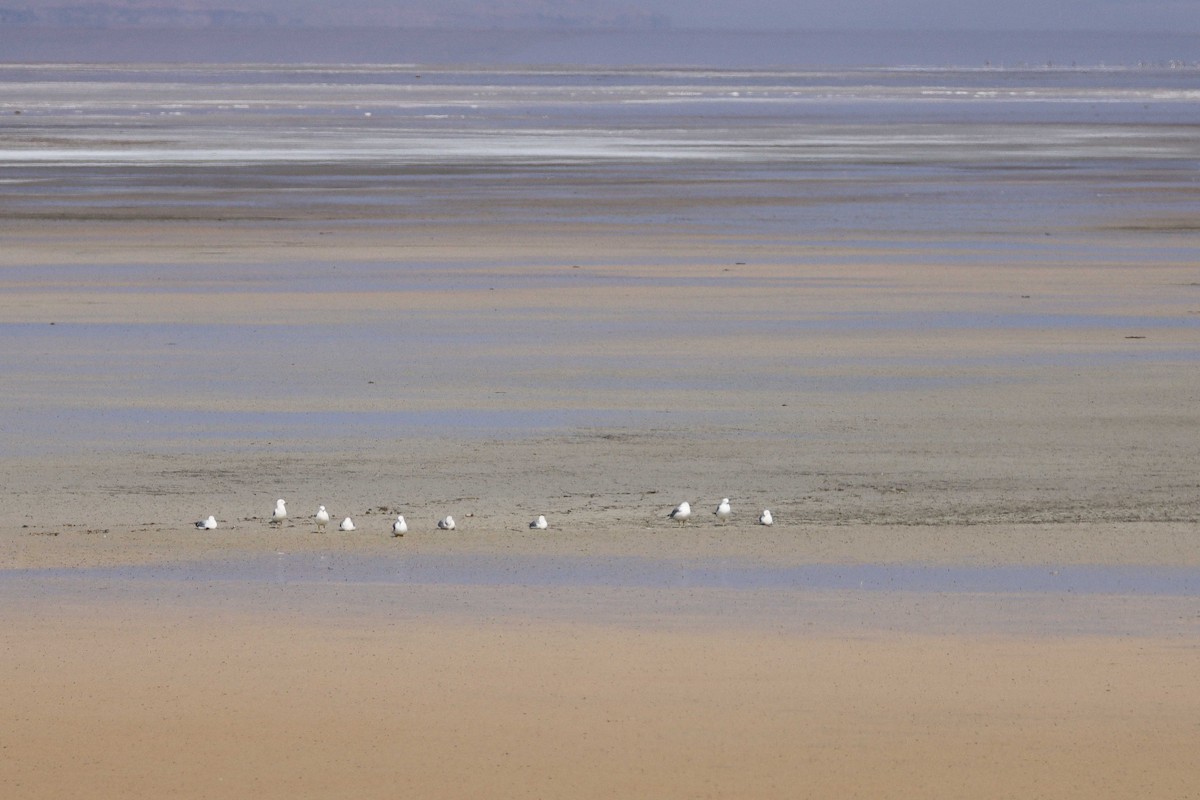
[(207, 524), (399, 527), (280, 513), (765, 518), (723, 511), (539, 524), (322, 518), (681, 513), (446, 524), (347, 524)]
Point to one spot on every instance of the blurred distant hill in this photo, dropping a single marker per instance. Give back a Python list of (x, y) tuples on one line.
[(101, 15), (500, 14)]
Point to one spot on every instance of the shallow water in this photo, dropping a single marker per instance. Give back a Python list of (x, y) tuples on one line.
[(698, 594), (665, 573), (913, 150)]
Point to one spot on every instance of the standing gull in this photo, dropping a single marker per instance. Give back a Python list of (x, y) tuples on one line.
[(280, 513), (207, 524), (765, 518), (446, 523), (681, 513), (539, 524), (322, 518), (723, 511), (399, 527), (347, 524)]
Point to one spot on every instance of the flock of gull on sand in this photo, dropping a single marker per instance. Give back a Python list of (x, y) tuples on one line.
[(681, 514)]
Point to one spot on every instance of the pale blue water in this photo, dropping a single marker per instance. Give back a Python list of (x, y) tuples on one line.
[(663, 573), (886, 151), (681, 48), (647, 593)]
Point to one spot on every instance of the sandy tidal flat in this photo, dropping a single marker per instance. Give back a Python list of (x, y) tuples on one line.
[(950, 343)]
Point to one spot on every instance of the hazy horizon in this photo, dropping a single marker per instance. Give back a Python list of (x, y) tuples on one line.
[(1176, 16)]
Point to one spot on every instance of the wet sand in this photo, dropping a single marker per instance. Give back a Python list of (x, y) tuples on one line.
[(122, 701)]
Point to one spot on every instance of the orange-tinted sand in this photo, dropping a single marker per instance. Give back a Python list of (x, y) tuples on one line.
[(110, 701)]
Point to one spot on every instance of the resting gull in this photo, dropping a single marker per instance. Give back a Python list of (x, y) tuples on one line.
[(347, 524), (207, 524), (399, 527), (540, 523), (681, 513), (765, 518), (446, 523)]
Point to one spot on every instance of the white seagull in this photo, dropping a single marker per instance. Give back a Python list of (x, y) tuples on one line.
[(347, 524), (446, 523), (322, 518), (723, 511), (399, 527), (681, 513), (207, 524), (539, 524), (280, 513), (765, 518)]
